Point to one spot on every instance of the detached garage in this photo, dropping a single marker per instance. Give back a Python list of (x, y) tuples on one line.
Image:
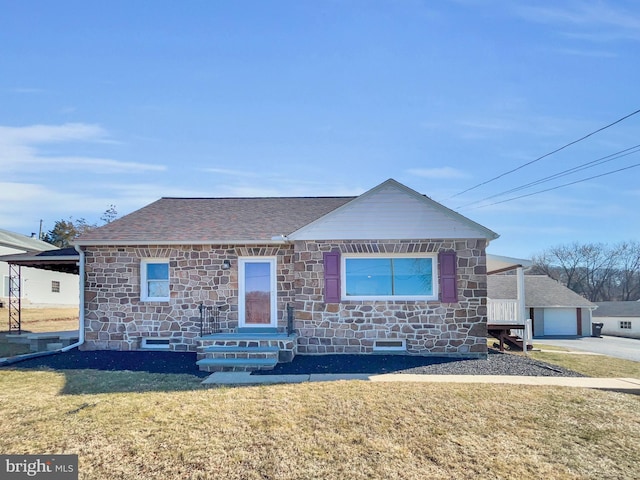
[(559, 321), (554, 310)]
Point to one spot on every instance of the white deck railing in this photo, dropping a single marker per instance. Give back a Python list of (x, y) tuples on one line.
[(502, 311), (506, 311)]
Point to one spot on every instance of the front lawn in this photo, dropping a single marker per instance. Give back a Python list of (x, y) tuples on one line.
[(591, 365), (173, 428)]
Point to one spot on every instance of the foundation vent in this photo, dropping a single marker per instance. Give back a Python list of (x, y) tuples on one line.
[(390, 345), (155, 343)]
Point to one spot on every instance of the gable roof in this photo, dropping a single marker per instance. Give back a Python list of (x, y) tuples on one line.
[(539, 291), (276, 219), (22, 242), (617, 309), (392, 211)]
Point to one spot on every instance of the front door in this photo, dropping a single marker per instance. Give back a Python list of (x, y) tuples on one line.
[(257, 291)]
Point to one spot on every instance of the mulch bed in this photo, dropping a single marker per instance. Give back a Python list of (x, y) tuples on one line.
[(185, 363)]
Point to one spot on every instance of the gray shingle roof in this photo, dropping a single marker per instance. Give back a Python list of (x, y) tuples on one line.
[(540, 291), (22, 242), (211, 220), (617, 309)]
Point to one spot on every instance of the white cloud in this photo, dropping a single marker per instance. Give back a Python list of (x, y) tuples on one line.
[(437, 173), (232, 173), (587, 53), (35, 134), (103, 165), (605, 21), (23, 205), (20, 150)]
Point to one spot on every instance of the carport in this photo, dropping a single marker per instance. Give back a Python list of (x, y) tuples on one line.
[(64, 260)]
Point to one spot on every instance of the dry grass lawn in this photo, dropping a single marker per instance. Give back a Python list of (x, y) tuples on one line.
[(169, 427), (43, 319), (592, 365), (34, 320)]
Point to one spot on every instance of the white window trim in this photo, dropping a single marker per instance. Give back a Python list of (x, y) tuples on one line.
[(242, 289), (434, 273), (144, 293)]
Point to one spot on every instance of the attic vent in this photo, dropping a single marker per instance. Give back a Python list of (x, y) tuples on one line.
[(156, 343), (389, 345)]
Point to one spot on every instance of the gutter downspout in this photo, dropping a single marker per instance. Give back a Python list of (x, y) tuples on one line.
[(81, 301)]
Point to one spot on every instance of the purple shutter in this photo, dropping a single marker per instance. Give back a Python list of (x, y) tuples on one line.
[(332, 277), (448, 281)]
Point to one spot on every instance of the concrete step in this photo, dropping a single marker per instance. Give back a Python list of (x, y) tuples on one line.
[(236, 364), (245, 336), (260, 330), (230, 349)]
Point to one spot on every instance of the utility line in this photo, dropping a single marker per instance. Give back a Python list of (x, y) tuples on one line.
[(564, 173), (559, 186), (547, 154)]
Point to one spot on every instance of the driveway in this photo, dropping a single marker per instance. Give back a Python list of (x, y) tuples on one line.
[(626, 348)]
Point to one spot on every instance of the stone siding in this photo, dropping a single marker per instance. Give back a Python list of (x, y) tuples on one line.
[(116, 318), (429, 327)]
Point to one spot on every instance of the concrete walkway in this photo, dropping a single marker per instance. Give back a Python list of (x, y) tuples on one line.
[(627, 385)]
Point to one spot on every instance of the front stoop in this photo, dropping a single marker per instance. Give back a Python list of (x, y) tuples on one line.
[(244, 351)]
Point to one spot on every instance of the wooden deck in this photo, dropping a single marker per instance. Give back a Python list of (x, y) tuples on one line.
[(502, 332)]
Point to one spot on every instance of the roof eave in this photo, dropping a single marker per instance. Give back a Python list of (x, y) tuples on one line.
[(61, 259), (127, 243)]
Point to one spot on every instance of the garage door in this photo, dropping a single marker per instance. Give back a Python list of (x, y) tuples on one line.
[(560, 321)]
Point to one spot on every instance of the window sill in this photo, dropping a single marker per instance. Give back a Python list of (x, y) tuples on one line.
[(389, 299)]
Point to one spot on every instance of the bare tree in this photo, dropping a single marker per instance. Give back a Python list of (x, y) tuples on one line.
[(599, 265), (628, 275), (565, 264), (594, 270)]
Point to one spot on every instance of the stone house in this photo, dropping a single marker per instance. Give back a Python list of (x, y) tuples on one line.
[(246, 282)]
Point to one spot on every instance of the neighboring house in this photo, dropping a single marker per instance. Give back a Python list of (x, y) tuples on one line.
[(554, 309), (37, 287), (388, 270), (620, 319)]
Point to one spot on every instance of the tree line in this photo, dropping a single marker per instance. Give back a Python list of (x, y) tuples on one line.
[(597, 271), (65, 231)]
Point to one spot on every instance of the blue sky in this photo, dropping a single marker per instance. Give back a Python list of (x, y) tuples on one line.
[(124, 102)]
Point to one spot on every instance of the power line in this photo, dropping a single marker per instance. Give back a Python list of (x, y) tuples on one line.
[(547, 154), (564, 173), (559, 186)]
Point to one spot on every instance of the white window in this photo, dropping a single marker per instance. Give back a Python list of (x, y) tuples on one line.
[(55, 286), (394, 277), (154, 280), (625, 324)]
